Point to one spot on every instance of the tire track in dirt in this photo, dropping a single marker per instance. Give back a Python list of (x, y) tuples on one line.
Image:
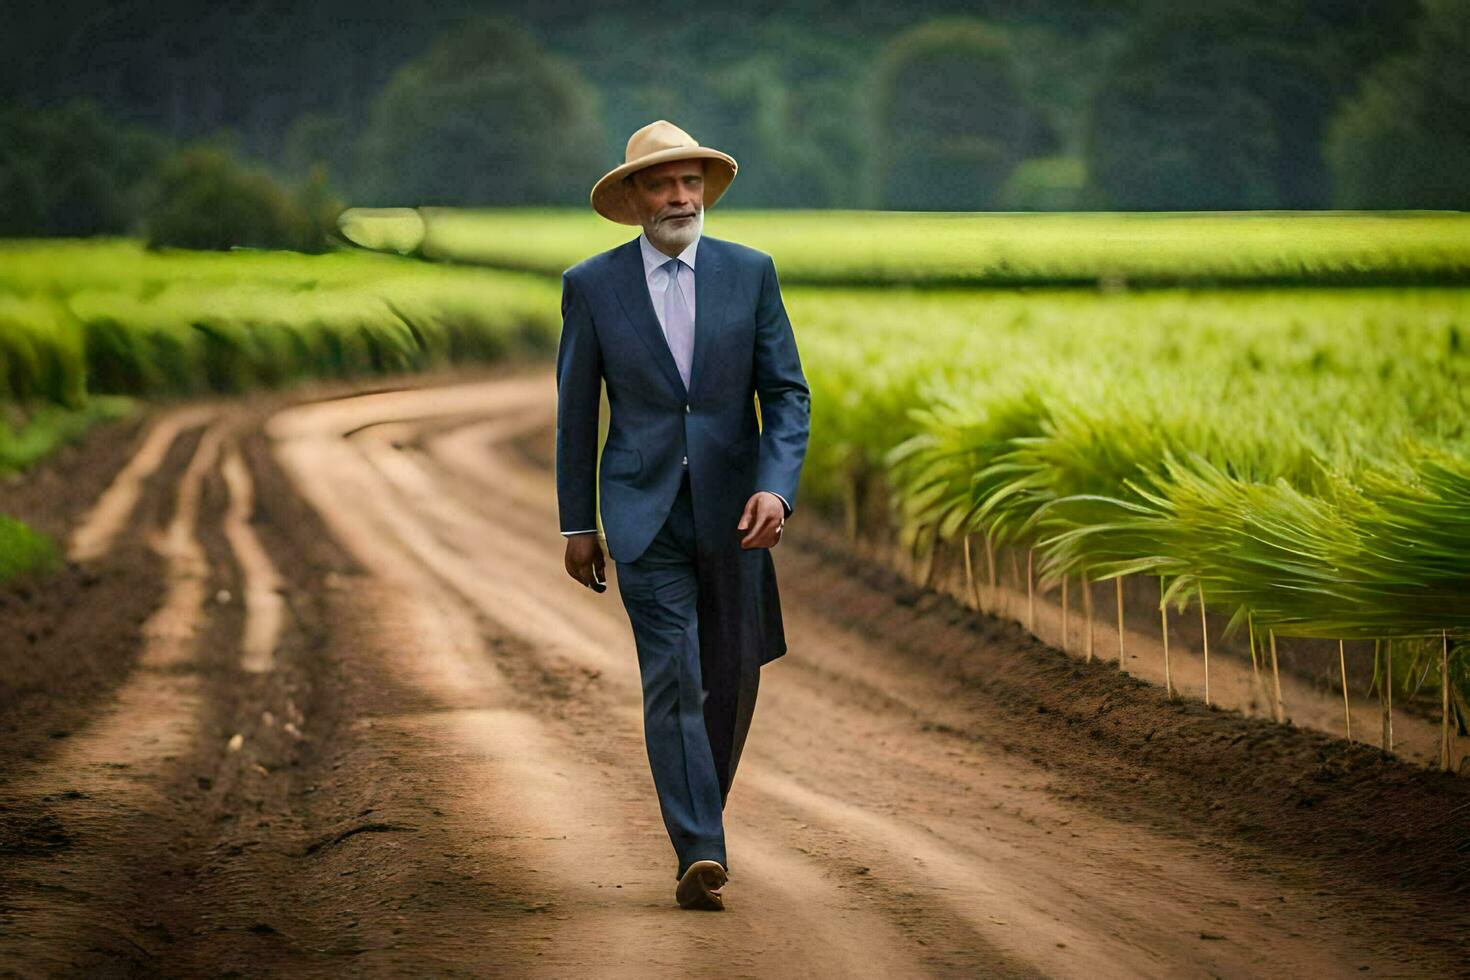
[(149, 818), (95, 534), (265, 609), (110, 777), (68, 641), (185, 866), (1149, 928), (441, 767), (528, 783), (462, 531)]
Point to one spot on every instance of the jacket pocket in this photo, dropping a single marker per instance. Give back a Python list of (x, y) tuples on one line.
[(620, 463)]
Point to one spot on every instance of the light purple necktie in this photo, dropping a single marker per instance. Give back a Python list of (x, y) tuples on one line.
[(678, 322)]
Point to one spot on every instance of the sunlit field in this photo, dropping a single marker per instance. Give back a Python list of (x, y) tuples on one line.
[(1300, 455), (939, 248), (79, 317)]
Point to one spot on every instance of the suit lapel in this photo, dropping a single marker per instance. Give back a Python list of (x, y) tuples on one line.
[(710, 287), (632, 289), (709, 299)]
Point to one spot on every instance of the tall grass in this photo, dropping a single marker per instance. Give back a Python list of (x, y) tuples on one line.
[(1304, 459)]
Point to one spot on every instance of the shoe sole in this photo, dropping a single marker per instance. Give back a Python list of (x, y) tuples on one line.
[(699, 888)]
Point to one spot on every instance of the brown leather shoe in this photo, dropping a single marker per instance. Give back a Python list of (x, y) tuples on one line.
[(700, 887)]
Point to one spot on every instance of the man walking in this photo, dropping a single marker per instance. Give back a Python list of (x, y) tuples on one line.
[(686, 331)]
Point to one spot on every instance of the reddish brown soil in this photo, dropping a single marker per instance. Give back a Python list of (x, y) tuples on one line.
[(442, 771)]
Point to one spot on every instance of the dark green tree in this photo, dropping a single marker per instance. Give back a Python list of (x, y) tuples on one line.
[(1183, 136), (1404, 140), (1226, 106), (950, 121), (786, 116), (486, 117), (204, 198), (72, 171)]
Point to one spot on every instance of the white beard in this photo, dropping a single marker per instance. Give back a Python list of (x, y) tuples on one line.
[(680, 237)]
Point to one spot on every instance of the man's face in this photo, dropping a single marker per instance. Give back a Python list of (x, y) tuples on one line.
[(669, 201)]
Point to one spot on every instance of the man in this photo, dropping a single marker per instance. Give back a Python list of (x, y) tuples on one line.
[(686, 331)]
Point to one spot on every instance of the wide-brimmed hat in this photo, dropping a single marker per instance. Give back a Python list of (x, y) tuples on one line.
[(659, 142)]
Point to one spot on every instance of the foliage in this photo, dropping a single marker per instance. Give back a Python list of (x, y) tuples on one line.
[(1224, 106), (484, 117), (24, 551), (1304, 457), (31, 433), (787, 119), (205, 199), (950, 120), (1404, 138), (1224, 102), (71, 171), (1045, 184), (82, 319)]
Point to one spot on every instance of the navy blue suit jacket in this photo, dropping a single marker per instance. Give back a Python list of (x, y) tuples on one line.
[(744, 349)]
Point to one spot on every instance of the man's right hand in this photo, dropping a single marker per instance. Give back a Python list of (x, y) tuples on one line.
[(584, 560)]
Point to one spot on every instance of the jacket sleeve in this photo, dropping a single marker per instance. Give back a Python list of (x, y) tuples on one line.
[(578, 401), (785, 400)]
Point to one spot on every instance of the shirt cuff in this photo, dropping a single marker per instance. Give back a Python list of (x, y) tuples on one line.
[(590, 530)]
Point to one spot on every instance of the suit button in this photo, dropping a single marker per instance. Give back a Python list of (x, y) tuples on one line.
[(685, 461), (686, 409)]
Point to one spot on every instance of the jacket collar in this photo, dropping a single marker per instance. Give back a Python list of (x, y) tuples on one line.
[(711, 289)]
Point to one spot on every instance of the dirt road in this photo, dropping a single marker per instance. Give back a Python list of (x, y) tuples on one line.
[(316, 696)]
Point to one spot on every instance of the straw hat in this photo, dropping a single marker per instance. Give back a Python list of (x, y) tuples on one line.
[(659, 142)]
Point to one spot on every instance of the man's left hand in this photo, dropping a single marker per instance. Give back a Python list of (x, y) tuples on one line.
[(762, 521)]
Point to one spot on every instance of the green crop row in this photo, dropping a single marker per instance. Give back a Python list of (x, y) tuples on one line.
[(1297, 455), (86, 317), (1303, 456), (1015, 249), (85, 323)]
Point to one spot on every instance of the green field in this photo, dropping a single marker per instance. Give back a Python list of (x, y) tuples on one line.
[(109, 316), (86, 324), (1303, 456), (1021, 249), (1290, 441), (1288, 435)]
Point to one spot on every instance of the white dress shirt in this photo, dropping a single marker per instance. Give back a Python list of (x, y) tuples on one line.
[(657, 279)]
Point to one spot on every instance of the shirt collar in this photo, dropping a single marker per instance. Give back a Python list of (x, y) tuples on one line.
[(653, 258)]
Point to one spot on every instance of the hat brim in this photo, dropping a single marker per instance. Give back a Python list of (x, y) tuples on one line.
[(610, 200)]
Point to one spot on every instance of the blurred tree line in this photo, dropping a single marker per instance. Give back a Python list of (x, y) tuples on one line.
[(247, 123)]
